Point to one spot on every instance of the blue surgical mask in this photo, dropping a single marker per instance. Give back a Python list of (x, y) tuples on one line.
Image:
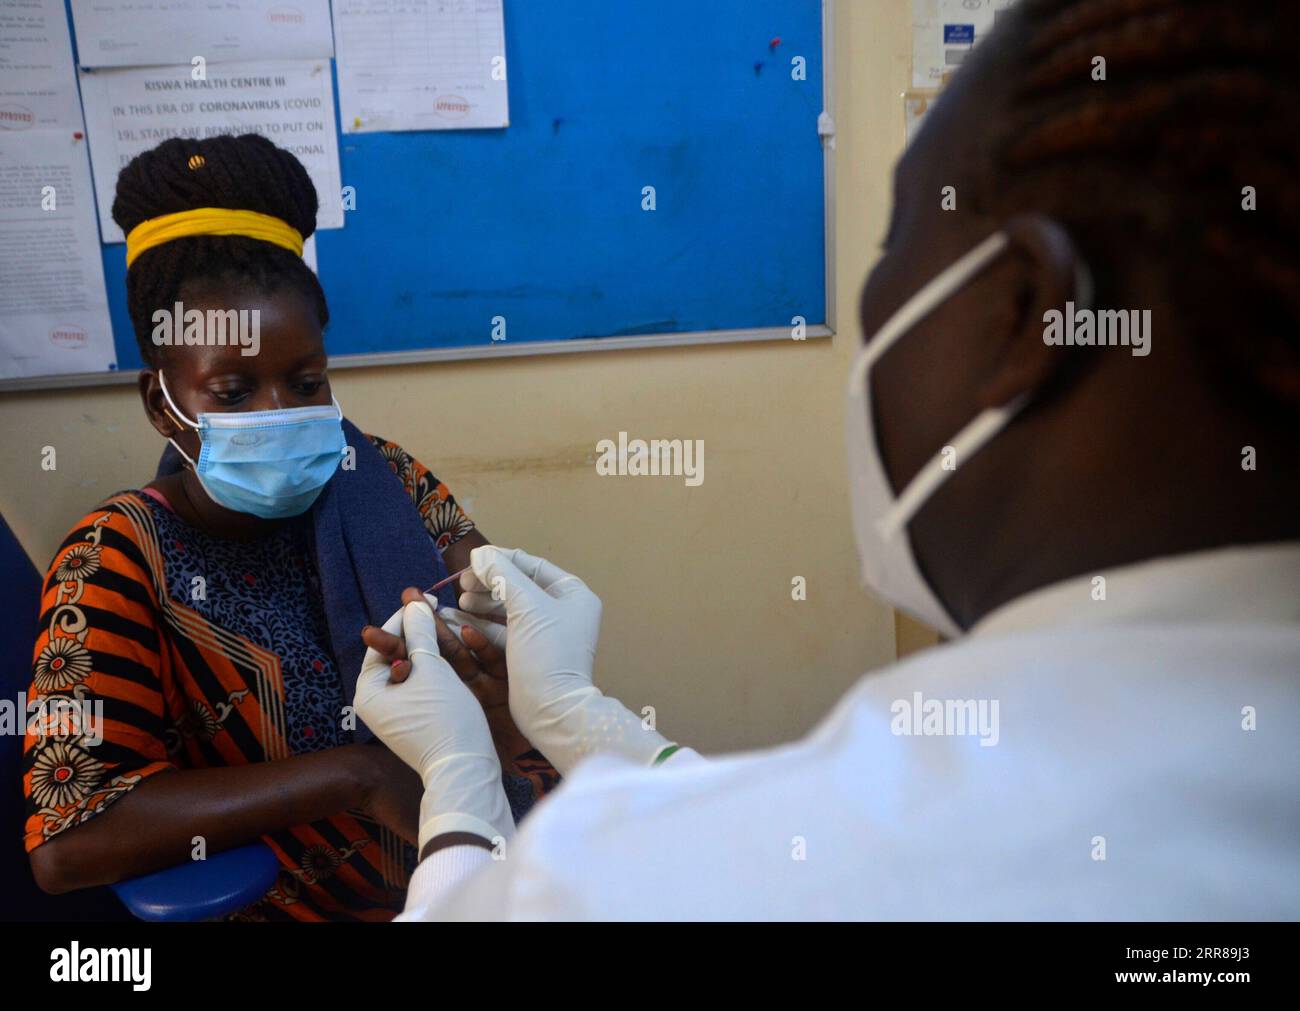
[(272, 464)]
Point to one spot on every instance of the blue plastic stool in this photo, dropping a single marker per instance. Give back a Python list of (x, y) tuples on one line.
[(204, 889)]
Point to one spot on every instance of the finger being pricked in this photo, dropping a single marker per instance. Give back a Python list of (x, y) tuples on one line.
[(476, 661), (455, 651), (485, 639), (488, 626), (491, 658)]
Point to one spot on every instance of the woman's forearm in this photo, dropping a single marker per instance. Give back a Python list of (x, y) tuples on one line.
[(155, 825)]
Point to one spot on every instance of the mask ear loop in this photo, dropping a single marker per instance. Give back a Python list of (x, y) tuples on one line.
[(162, 382), (968, 442), (988, 422), (934, 293), (985, 425)]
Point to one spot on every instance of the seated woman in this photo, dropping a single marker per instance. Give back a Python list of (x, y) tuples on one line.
[(211, 619)]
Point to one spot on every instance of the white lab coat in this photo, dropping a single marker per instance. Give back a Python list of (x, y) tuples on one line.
[(1125, 781)]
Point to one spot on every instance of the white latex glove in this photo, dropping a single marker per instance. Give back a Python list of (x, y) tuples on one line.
[(552, 626), (435, 725)]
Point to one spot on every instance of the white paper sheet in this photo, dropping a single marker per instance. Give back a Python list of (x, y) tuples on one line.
[(421, 65), (944, 31), (53, 307), (290, 102), (139, 33), (38, 88)]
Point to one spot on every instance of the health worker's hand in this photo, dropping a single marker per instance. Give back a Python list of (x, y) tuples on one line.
[(475, 649), (434, 723), (552, 629)]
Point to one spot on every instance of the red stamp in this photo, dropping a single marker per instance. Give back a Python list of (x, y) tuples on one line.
[(16, 117), (286, 15), (73, 337), (451, 107)]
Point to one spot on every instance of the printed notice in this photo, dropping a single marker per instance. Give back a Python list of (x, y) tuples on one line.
[(944, 32), (38, 89), (290, 102), (139, 33), (53, 307), (421, 64)]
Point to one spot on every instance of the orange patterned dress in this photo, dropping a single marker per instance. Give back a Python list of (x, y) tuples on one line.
[(164, 648)]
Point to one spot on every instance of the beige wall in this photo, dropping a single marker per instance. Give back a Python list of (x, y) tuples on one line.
[(699, 620)]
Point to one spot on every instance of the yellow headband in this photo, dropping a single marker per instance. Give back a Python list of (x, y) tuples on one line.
[(211, 221)]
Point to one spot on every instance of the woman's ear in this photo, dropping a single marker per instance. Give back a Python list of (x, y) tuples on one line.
[(1050, 273), (155, 404)]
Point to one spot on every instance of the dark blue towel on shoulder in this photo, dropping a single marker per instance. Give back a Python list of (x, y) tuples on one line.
[(368, 543)]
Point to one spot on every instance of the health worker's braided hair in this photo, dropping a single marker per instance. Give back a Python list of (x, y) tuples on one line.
[(1147, 168)]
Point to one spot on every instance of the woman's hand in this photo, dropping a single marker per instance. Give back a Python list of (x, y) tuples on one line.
[(552, 630), (432, 723), (478, 663)]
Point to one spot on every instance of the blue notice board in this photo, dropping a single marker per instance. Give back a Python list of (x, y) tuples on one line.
[(542, 223)]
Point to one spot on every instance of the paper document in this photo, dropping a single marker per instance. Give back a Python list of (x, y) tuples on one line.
[(421, 64), (138, 33), (290, 102), (53, 307), (37, 86), (944, 32)]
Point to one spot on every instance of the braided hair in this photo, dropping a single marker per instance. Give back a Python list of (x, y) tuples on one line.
[(1200, 100), (236, 173)]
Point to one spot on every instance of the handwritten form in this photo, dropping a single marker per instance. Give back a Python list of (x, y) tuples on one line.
[(124, 33), (421, 64)]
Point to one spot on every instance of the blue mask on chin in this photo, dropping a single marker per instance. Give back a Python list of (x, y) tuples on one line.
[(272, 464)]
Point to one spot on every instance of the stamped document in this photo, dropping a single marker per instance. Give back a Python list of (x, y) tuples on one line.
[(421, 65), (136, 33), (38, 89), (53, 307)]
